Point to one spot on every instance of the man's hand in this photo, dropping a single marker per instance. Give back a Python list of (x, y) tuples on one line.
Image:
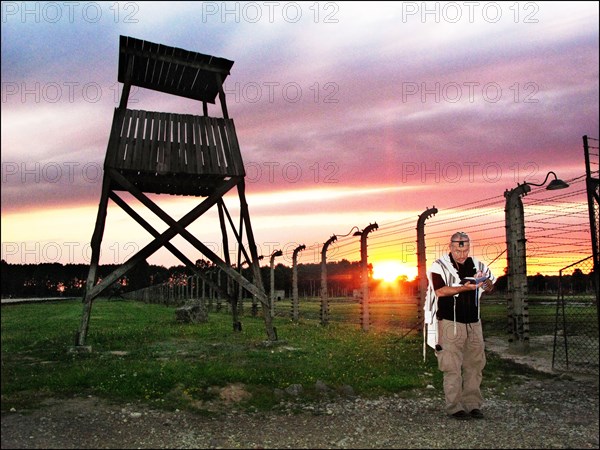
[(471, 286), (447, 291), (488, 286)]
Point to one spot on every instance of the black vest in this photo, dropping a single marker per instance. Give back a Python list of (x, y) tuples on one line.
[(466, 306)]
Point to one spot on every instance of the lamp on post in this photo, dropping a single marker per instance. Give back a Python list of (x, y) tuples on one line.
[(518, 314)]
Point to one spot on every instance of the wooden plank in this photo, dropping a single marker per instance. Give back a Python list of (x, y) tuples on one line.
[(209, 164), (168, 129), (215, 131), (154, 144), (186, 82), (144, 63), (212, 148), (160, 67), (153, 65), (178, 84), (238, 236), (131, 139), (160, 145), (113, 140), (223, 157), (177, 72), (224, 232), (126, 85), (126, 148), (135, 120), (189, 75), (219, 80), (120, 162), (183, 159), (137, 58), (167, 79), (231, 167), (200, 163), (195, 146), (166, 72), (190, 150), (138, 147), (235, 147), (128, 163), (233, 151), (147, 146), (175, 148), (123, 57), (194, 72), (183, 162), (119, 142), (179, 138)]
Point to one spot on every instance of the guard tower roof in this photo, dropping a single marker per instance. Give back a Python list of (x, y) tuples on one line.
[(171, 70)]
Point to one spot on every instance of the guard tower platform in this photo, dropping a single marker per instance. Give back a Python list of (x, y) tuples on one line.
[(167, 153), (178, 154)]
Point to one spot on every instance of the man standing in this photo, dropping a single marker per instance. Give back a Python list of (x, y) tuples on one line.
[(453, 305)]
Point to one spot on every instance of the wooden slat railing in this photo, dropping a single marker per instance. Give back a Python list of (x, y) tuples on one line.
[(171, 144)]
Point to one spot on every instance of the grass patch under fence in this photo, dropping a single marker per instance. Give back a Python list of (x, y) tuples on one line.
[(141, 353)]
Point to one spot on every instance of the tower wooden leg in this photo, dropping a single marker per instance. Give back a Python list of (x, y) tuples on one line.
[(271, 333), (91, 279)]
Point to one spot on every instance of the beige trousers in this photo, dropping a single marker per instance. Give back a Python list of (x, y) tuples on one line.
[(461, 359)]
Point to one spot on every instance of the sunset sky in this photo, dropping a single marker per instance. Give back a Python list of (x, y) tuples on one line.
[(347, 114)]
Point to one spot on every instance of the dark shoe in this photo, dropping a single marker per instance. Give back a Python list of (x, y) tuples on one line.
[(461, 415), (476, 414)]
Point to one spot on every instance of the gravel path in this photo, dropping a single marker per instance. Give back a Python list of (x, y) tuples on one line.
[(551, 413), (560, 411)]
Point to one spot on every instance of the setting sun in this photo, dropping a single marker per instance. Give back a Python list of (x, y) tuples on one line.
[(389, 271)]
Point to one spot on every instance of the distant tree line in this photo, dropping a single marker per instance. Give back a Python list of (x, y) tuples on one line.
[(343, 277), (55, 279)]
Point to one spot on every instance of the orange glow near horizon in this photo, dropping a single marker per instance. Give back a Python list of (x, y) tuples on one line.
[(389, 271)]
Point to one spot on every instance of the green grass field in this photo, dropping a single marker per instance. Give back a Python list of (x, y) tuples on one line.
[(140, 352)]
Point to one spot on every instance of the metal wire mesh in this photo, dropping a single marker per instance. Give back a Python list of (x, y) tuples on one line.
[(576, 321)]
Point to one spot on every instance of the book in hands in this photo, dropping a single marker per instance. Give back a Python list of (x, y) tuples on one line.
[(474, 280)]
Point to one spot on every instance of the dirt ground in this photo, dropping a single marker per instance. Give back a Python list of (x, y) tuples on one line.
[(559, 412)]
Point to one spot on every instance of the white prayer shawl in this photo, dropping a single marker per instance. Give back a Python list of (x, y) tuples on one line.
[(445, 268)]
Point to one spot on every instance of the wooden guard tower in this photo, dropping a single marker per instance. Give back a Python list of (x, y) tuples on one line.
[(181, 154)]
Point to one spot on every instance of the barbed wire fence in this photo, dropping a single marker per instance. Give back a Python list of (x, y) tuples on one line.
[(575, 339), (558, 234), (577, 319)]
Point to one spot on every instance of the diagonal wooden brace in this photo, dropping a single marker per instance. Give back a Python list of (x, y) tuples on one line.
[(238, 236), (176, 252), (157, 243), (180, 229)]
